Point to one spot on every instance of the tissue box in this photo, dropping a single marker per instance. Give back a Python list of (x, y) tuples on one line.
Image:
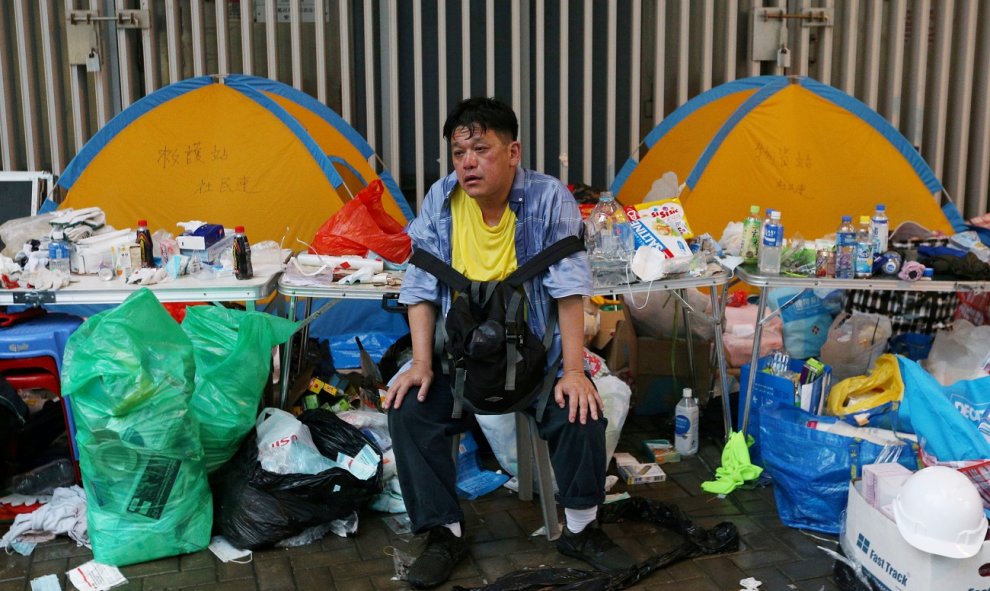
[(201, 238), (633, 472), (212, 253), (879, 480)]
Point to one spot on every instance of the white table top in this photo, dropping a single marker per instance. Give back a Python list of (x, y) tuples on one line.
[(363, 291), (90, 289), (753, 277)]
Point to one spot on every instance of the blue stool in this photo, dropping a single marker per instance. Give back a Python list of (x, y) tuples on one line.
[(42, 339)]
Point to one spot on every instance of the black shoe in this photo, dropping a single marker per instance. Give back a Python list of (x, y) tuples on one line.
[(594, 547), (433, 567)]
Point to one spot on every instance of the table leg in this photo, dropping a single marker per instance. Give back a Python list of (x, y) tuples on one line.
[(754, 359), (287, 357), (689, 339), (717, 315)]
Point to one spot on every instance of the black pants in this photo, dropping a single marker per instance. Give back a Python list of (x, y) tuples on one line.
[(421, 438)]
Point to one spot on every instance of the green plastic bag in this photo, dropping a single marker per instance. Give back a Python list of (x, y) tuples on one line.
[(128, 375), (232, 349)]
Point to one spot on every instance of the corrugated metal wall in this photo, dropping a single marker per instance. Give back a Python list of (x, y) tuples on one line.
[(589, 78)]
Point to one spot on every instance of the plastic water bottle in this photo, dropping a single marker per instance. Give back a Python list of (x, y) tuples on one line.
[(763, 228), (143, 239), (773, 242), (686, 425), (243, 269), (44, 479), (863, 263), (609, 241), (58, 252), (880, 229), (845, 249), (751, 235)]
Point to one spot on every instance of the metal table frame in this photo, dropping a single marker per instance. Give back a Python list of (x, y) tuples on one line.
[(717, 285), (751, 276)]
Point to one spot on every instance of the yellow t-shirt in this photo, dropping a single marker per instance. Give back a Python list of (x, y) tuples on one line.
[(479, 251)]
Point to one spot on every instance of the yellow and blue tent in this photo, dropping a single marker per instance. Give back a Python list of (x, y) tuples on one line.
[(788, 143), (234, 150)]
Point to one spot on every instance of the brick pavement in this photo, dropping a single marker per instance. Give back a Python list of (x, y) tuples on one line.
[(498, 526)]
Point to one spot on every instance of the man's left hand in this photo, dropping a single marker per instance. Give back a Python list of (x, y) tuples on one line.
[(580, 394)]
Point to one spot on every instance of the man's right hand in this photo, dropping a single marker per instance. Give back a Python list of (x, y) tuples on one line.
[(419, 374)]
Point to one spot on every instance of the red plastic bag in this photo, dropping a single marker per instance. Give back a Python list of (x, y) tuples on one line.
[(362, 224)]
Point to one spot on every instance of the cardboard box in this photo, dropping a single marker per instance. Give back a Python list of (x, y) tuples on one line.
[(620, 353), (661, 450), (659, 383), (609, 319), (872, 540), (633, 472)]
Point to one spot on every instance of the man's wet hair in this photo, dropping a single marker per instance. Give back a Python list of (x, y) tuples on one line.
[(479, 114)]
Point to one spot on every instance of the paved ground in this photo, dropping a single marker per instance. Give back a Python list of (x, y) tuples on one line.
[(498, 526)]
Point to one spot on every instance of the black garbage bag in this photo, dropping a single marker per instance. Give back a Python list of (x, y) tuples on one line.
[(256, 508), (698, 542)]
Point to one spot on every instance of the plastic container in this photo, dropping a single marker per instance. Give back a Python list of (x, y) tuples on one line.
[(686, 425), (44, 479), (845, 249), (242, 255), (880, 229), (143, 240), (863, 263), (773, 241), (609, 241), (751, 235), (58, 252)]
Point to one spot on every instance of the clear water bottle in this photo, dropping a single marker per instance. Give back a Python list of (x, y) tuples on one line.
[(58, 252), (609, 241), (880, 229), (686, 425), (773, 242), (751, 235), (863, 263), (845, 249)]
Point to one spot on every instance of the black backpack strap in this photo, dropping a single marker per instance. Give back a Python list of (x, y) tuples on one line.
[(554, 253), (439, 269), (547, 388)]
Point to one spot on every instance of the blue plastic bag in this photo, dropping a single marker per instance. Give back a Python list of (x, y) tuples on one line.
[(811, 469), (806, 321), (952, 422)]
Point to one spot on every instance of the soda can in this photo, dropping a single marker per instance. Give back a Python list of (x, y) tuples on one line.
[(821, 262), (890, 262)]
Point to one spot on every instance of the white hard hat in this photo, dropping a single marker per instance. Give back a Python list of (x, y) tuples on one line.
[(938, 510)]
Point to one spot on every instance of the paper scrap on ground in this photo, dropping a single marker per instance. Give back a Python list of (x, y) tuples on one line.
[(46, 583), (94, 576), (749, 583), (226, 551)]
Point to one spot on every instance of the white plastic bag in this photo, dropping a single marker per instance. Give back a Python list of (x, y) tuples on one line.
[(962, 353), (854, 343), (500, 430), (285, 445)]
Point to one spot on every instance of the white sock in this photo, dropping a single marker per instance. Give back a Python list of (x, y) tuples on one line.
[(578, 519), (455, 528)]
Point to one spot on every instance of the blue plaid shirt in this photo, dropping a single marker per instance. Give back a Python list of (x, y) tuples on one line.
[(545, 212)]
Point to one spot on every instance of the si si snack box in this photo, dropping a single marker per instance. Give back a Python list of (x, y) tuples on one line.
[(654, 220)]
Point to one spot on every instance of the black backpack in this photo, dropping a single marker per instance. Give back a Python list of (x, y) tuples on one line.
[(497, 365)]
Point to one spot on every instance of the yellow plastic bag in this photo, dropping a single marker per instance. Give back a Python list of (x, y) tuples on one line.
[(861, 393)]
